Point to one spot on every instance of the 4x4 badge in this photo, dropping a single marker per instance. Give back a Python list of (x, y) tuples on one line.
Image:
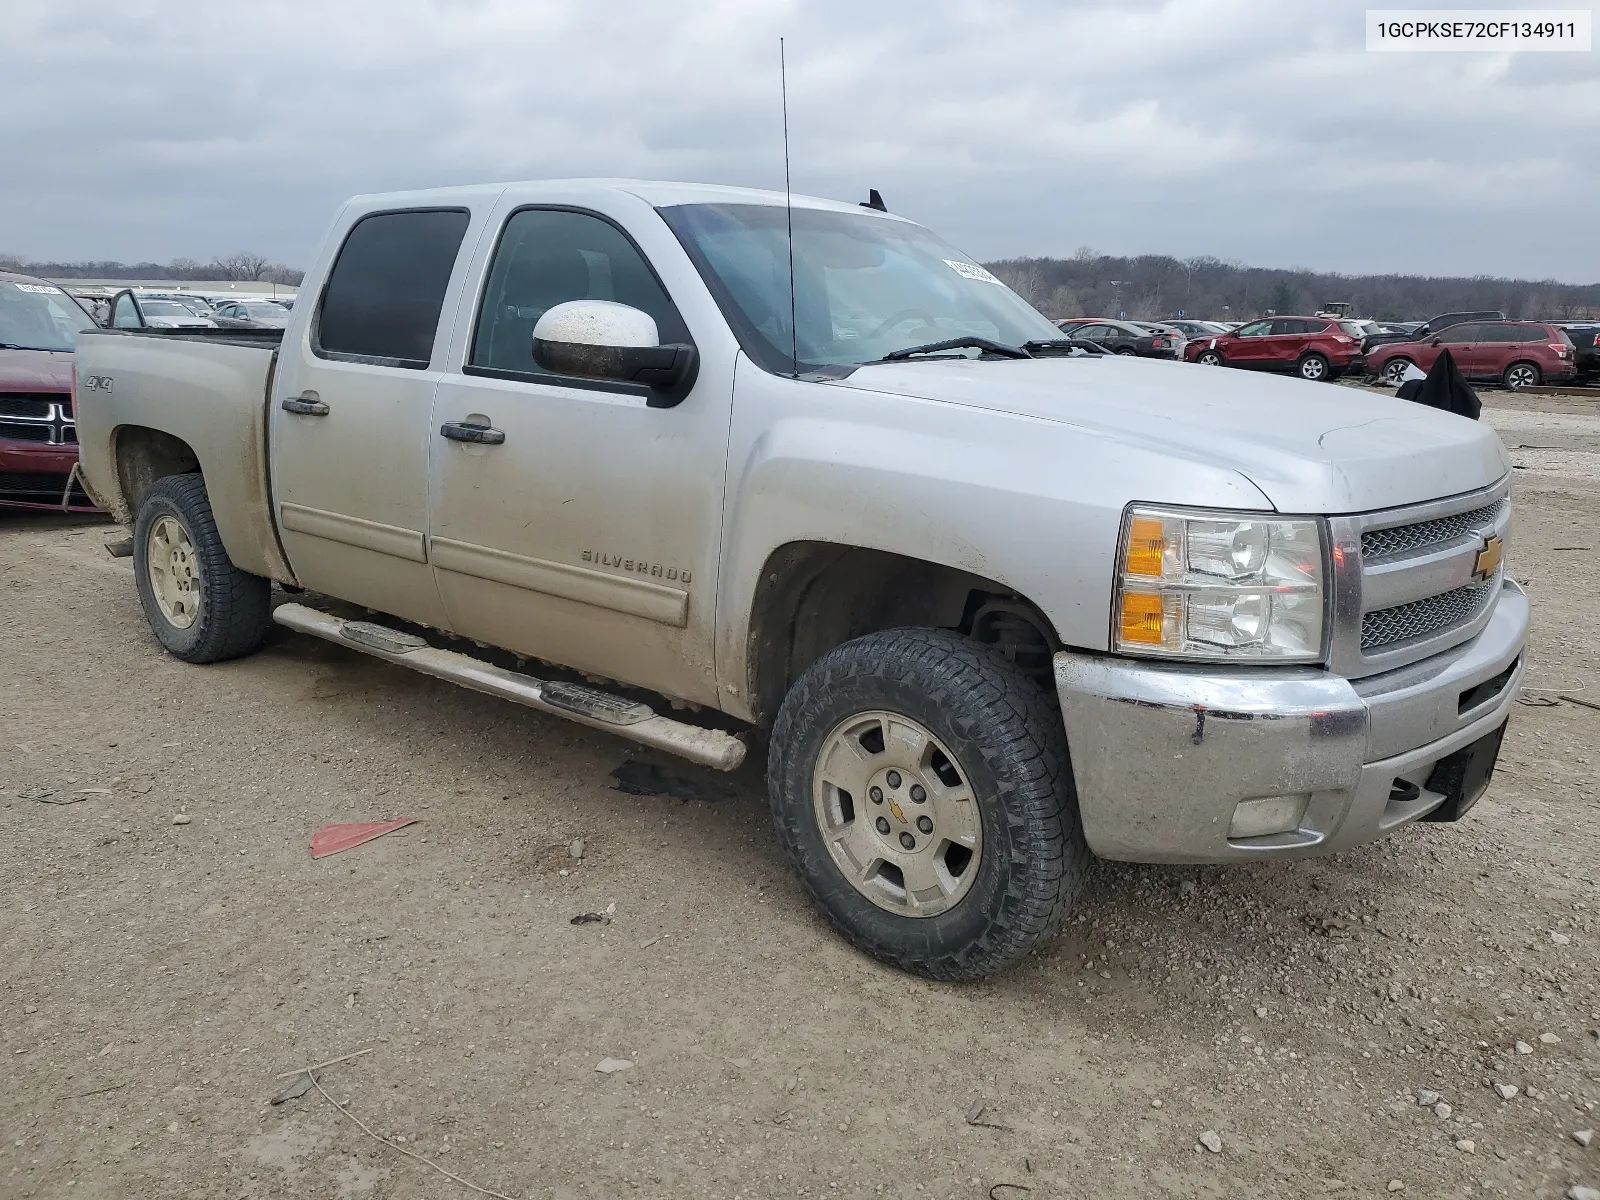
[(1488, 560)]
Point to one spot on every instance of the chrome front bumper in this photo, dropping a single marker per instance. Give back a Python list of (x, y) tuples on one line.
[(1163, 755)]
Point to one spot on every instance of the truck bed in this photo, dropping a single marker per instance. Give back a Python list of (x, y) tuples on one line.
[(190, 400)]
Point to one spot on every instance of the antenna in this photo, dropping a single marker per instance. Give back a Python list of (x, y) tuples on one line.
[(788, 212)]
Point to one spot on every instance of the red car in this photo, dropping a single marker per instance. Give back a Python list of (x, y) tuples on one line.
[(1515, 354), (38, 440), (1316, 348)]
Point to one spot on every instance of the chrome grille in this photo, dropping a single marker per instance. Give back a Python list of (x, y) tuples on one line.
[(38, 417), (1424, 618), (1405, 539)]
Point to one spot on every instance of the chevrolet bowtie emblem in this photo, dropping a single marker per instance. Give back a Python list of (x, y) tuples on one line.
[(1488, 560), (899, 815)]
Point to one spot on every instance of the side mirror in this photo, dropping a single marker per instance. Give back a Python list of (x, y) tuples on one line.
[(600, 339), (1435, 341)]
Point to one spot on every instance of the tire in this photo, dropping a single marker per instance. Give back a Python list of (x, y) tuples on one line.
[(1209, 358), (1127, 350), (1313, 367), (1394, 369), (202, 608), (989, 731), (1521, 375)]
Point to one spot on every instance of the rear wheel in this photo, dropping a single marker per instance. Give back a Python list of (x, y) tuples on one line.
[(201, 607), (1394, 371), (1209, 358), (1521, 375), (920, 785), (1313, 367), (1126, 350)]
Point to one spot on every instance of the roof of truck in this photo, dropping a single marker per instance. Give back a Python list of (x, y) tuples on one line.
[(657, 193)]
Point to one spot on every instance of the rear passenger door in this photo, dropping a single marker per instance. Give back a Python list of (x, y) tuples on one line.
[(350, 412)]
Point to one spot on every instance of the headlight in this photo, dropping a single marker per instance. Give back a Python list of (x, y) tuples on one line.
[(1219, 586)]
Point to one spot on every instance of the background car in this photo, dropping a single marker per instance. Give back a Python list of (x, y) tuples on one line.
[(1515, 354), (132, 311), (1193, 329), (264, 313), (1315, 348), (1586, 348), (38, 436), (1428, 328), (1122, 337)]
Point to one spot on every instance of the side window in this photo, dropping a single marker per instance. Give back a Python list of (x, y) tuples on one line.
[(1526, 333), (384, 294), (547, 257), (1256, 329), (125, 315), (1460, 334)]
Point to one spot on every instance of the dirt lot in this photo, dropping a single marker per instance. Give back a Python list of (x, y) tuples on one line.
[(155, 977)]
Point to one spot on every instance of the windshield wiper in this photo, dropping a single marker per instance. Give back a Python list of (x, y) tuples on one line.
[(1064, 344), (968, 342)]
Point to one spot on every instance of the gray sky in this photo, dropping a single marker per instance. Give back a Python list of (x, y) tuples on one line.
[(1248, 129)]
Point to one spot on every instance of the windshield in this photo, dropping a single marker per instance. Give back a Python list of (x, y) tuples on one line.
[(164, 308), (865, 286), (36, 316), (269, 311)]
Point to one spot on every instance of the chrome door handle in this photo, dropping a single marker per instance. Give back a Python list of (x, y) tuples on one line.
[(307, 404), (462, 431)]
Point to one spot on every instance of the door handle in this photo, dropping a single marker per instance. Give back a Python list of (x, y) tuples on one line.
[(462, 431), (307, 405)]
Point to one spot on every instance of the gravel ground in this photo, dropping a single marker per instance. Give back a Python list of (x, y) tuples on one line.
[(157, 975)]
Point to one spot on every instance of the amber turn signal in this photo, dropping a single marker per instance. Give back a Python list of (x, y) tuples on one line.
[(1147, 545)]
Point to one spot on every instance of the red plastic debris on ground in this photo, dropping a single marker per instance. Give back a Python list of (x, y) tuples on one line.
[(331, 839)]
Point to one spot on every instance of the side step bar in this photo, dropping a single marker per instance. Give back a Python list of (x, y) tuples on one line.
[(585, 705)]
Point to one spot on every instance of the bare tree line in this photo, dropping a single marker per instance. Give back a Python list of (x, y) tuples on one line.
[(243, 266), (1151, 287)]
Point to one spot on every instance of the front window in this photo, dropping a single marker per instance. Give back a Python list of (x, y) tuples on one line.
[(864, 286), (37, 316), (164, 308)]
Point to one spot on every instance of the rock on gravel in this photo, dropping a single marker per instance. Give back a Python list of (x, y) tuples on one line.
[(1579, 1192), (1506, 1091), (1443, 1111), (1428, 1099), (1211, 1141), (1466, 1146), (610, 1066), (1584, 1137), (1524, 1048)]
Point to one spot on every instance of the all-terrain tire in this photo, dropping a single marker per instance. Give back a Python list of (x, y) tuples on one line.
[(1006, 741), (232, 608)]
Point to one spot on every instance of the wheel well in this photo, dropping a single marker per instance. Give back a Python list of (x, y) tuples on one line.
[(814, 596), (146, 455), (1524, 362)]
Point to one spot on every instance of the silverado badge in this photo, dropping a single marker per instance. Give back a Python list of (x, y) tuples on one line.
[(1488, 560)]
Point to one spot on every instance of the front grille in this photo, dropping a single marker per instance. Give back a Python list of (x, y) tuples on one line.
[(30, 404), (1406, 539), (19, 432), (44, 487), (1423, 618)]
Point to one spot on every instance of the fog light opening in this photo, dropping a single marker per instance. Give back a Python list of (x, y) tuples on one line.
[(1268, 815)]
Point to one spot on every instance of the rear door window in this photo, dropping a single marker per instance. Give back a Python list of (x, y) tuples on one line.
[(382, 301)]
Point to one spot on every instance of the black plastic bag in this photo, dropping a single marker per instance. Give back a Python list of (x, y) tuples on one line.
[(1446, 389)]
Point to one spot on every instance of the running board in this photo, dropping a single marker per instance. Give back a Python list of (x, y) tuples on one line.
[(585, 705)]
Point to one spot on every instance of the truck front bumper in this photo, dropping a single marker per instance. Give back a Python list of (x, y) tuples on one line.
[(1210, 764)]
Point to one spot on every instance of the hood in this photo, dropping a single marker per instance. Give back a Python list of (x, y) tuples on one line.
[(35, 370), (1309, 447)]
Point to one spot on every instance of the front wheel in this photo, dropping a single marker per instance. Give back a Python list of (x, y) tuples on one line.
[(1521, 375), (921, 787), (1394, 371), (202, 608), (1209, 358), (1313, 367)]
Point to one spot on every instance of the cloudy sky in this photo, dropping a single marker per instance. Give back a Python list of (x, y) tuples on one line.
[(1259, 130)]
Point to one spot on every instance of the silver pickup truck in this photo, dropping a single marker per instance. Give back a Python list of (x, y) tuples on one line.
[(995, 603)]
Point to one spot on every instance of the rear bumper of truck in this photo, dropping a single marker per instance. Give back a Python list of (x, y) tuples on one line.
[(1207, 764)]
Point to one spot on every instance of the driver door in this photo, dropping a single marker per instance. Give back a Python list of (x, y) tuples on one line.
[(587, 535), (1249, 345)]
